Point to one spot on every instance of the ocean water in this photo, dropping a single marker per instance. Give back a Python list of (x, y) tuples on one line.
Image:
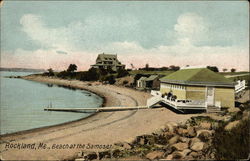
[(22, 103)]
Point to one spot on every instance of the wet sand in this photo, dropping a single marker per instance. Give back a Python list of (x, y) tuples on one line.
[(104, 128)]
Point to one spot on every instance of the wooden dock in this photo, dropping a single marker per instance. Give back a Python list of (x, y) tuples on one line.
[(99, 109)]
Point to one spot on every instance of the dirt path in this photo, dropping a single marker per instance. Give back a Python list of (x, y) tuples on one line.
[(230, 76), (104, 128)]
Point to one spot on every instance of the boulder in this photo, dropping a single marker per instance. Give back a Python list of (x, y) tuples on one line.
[(233, 109), (169, 134), (141, 141), (160, 131), (159, 146), (204, 135), (193, 140), (185, 152), (90, 156), (122, 146), (154, 155), (104, 154), (206, 125), (198, 146), (182, 132), (130, 158), (215, 125), (194, 154), (184, 139), (170, 127), (126, 146), (189, 157), (177, 155), (232, 125), (246, 115), (115, 153), (191, 132), (168, 150), (80, 154), (119, 144), (173, 140), (80, 159), (227, 118), (180, 146), (169, 157)]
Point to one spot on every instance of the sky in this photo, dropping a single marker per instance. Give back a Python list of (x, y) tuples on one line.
[(54, 34)]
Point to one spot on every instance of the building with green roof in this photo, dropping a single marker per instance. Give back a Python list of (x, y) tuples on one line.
[(151, 82), (200, 84)]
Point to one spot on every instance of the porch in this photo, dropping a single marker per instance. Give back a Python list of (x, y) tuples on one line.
[(181, 105)]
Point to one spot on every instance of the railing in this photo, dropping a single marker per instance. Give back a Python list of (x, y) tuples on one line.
[(154, 100), (155, 93), (240, 86), (190, 104), (218, 104)]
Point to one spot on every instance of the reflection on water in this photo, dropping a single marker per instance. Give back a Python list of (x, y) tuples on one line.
[(50, 85)]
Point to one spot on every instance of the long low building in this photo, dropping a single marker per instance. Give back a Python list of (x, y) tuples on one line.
[(199, 84)]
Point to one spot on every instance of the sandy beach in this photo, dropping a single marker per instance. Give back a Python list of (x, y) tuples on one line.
[(104, 128)]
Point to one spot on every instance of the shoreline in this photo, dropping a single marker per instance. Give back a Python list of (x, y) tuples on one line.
[(48, 80), (22, 132), (104, 128)]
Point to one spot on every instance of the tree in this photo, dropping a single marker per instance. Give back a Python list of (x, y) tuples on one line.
[(224, 69), (72, 68), (110, 70), (51, 72), (233, 70), (103, 71), (63, 74), (93, 74), (122, 73), (174, 68), (213, 68), (111, 79), (146, 66)]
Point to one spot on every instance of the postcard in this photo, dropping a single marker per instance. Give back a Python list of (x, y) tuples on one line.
[(124, 80)]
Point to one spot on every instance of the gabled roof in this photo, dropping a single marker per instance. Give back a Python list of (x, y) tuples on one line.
[(198, 76), (142, 78), (107, 57), (152, 77)]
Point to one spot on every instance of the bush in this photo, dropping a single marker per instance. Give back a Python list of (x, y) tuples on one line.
[(122, 73), (110, 79), (49, 73), (234, 144), (64, 74), (125, 82)]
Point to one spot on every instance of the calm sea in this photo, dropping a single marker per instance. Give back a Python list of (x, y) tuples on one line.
[(22, 103)]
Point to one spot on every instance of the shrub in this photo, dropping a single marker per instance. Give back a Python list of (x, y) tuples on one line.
[(125, 82), (234, 144), (111, 79), (64, 74), (122, 73)]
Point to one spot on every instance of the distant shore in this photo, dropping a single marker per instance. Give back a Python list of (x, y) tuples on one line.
[(105, 128)]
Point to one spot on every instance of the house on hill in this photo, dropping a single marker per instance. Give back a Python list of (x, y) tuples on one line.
[(106, 61), (196, 88)]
